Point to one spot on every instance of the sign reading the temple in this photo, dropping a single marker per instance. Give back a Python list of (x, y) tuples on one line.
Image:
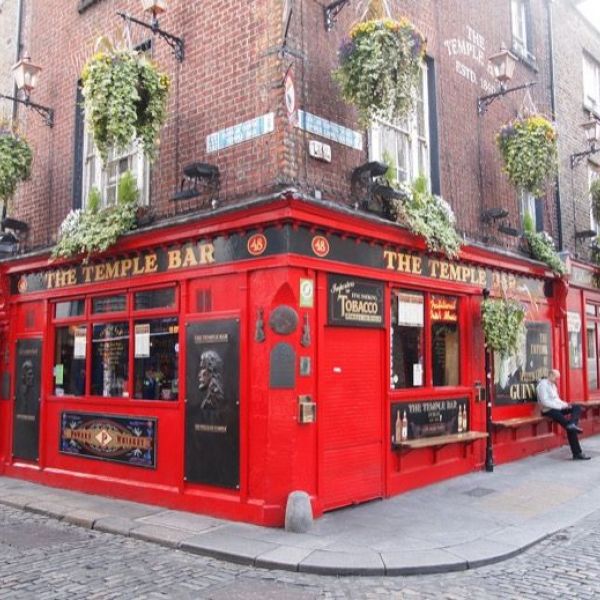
[(516, 377), (128, 440), (413, 420), (355, 302)]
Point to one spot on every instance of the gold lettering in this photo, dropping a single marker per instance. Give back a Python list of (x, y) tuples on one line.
[(137, 270), (87, 273), (207, 254), (112, 270), (433, 267), (151, 264), (482, 277), (417, 265), (50, 279), (126, 265), (72, 277), (174, 259), (190, 259), (444, 271), (455, 272), (389, 257), (404, 262), (100, 272)]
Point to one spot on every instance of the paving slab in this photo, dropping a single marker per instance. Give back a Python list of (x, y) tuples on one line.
[(422, 562), (165, 536), (326, 562), (116, 525), (83, 518)]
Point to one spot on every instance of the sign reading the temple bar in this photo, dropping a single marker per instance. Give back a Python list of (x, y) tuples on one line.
[(413, 420), (128, 440), (212, 409), (516, 377), (355, 302)]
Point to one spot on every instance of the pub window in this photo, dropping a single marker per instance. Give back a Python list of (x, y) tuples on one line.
[(156, 359), (110, 359), (522, 43), (593, 174), (69, 360), (151, 299), (592, 345), (108, 304), (70, 308), (424, 351), (591, 83)]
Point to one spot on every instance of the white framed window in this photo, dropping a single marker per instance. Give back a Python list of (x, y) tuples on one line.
[(521, 38), (593, 174), (106, 177), (591, 83), (404, 144), (528, 207)]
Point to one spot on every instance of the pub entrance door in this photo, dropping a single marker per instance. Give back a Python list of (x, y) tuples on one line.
[(26, 413), (350, 416), (212, 409)]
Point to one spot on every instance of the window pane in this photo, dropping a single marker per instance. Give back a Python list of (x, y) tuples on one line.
[(592, 358), (110, 359), (109, 304), (590, 309), (69, 361), (72, 308), (444, 340), (408, 314), (156, 359), (155, 299)]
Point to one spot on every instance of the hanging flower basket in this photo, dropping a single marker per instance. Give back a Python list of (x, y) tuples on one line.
[(595, 199), (427, 215), (15, 162), (125, 100), (380, 67), (529, 149), (502, 322)]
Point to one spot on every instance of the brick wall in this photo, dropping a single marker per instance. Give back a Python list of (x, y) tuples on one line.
[(233, 71)]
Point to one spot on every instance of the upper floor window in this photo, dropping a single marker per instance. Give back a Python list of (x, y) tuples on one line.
[(591, 83), (530, 205), (593, 174), (404, 145), (521, 29)]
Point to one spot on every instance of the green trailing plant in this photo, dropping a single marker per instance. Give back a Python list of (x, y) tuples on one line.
[(595, 199), (125, 99), (529, 150), (380, 67), (429, 216), (502, 323), (541, 246), (15, 161), (96, 229)]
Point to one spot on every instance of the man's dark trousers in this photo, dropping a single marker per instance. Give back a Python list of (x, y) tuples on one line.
[(558, 415)]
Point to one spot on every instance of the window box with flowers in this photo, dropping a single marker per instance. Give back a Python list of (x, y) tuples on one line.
[(529, 149), (380, 68)]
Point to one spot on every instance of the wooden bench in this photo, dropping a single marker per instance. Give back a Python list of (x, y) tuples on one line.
[(441, 440), (590, 404), (519, 422)]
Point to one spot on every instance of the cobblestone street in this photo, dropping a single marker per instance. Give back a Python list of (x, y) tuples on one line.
[(42, 558)]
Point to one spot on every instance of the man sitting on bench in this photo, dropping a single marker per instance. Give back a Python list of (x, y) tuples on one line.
[(552, 406)]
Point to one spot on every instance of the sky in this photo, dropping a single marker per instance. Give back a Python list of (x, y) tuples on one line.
[(591, 9)]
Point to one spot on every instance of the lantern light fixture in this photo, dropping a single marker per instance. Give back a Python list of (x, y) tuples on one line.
[(156, 7), (503, 64), (592, 135), (26, 74)]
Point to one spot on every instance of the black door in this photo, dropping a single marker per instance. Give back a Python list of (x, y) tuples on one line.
[(212, 452), (26, 425)]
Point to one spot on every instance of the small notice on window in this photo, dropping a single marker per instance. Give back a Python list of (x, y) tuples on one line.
[(410, 310), (59, 374), (80, 344), (417, 374), (142, 340)]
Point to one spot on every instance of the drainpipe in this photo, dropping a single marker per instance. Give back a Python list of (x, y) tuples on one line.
[(553, 108), (19, 38)]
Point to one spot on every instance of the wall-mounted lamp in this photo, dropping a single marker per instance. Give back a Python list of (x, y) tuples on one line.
[(493, 214), (194, 174), (504, 64), (26, 74), (508, 230), (585, 234), (592, 135), (331, 11), (156, 7)]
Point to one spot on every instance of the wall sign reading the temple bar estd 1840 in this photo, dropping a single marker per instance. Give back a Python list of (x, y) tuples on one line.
[(354, 302)]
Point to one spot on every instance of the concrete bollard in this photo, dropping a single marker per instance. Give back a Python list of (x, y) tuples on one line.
[(298, 513)]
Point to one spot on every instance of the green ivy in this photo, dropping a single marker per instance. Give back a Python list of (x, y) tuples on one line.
[(595, 198), (125, 99), (529, 150), (429, 216), (15, 162), (97, 229), (502, 323), (380, 68)]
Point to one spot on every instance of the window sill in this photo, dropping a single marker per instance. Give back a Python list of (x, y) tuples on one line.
[(113, 402), (85, 4), (526, 58)]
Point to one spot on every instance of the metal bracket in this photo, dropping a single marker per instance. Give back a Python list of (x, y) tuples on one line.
[(485, 101), (46, 113), (331, 11), (175, 42), (579, 156)]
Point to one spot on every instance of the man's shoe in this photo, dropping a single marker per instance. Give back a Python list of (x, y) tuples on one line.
[(573, 427), (582, 457)]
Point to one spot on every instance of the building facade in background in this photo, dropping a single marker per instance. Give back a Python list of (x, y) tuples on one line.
[(274, 331)]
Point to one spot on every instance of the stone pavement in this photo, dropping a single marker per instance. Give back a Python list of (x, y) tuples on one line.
[(462, 523)]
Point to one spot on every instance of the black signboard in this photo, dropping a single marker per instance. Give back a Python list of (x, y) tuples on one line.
[(212, 408), (516, 377), (354, 302), (413, 420), (128, 440), (26, 426)]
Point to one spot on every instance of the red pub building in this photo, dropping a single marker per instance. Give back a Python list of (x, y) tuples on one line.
[(271, 331)]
